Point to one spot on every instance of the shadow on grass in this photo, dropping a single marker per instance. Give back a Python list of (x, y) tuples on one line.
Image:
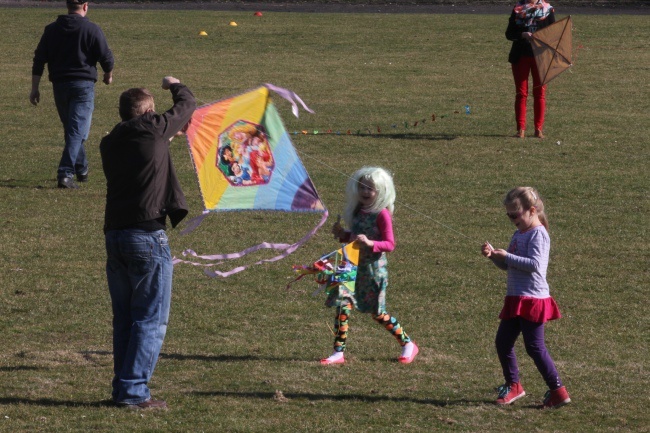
[(408, 136), (244, 358), (18, 183), (344, 397), (87, 354), (219, 358), (205, 358), (48, 402), (18, 368), (438, 137), (429, 137), (54, 403)]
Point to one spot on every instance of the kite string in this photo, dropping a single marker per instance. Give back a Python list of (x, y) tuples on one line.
[(396, 201), (200, 101)]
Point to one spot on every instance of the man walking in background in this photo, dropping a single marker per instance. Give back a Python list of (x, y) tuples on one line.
[(72, 46)]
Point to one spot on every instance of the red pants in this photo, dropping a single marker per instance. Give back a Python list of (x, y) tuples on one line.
[(520, 71)]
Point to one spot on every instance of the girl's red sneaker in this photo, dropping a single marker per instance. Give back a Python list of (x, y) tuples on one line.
[(556, 398), (510, 392)]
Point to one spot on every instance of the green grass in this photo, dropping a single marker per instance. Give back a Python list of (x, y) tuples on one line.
[(232, 343)]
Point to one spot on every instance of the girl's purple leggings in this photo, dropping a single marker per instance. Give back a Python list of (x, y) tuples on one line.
[(533, 333)]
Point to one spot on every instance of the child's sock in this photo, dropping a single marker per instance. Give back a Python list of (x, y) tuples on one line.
[(407, 350)]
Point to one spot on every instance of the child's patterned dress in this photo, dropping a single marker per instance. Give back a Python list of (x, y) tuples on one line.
[(369, 295)]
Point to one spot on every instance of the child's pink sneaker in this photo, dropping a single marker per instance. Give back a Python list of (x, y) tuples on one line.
[(556, 398), (409, 352), (334, 358), (510, 392)]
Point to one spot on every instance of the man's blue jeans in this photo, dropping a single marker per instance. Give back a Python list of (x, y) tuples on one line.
[(139, 270), (75, 101)]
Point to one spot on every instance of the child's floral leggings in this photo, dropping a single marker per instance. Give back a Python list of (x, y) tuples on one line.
[(341, 327)]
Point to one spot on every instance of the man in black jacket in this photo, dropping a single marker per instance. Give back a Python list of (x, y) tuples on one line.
[(72, 46), (142, 191)]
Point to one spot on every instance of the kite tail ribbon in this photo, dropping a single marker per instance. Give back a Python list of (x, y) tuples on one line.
[(289, 96), (286, 250), (194, 223)]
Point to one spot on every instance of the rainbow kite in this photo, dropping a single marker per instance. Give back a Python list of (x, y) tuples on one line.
[(244, 160), (338, 268)]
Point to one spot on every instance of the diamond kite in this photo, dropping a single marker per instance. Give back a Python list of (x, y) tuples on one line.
[(552, 49), (244, 160)]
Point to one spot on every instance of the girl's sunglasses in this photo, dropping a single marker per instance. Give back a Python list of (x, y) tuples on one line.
[(514, 216)]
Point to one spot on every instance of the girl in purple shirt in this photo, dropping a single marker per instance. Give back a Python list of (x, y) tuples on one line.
[(370, 197), (528, 303)]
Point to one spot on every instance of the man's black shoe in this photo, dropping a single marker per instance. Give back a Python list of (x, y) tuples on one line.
[(67, 182), (82, 177)]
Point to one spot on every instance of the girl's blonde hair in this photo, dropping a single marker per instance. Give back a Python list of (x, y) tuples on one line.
[(383, 183), (525, 197)]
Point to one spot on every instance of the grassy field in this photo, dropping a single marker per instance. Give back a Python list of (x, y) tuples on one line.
[(233, 343)]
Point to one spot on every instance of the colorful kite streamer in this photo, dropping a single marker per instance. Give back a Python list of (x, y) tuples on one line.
[(338, 268)]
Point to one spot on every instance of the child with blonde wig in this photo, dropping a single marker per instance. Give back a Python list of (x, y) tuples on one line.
[(370, 198)]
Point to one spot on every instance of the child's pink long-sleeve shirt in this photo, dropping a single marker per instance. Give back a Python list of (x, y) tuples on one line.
[(386, 243)]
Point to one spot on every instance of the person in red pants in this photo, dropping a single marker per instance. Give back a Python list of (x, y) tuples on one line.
[(526, 18)]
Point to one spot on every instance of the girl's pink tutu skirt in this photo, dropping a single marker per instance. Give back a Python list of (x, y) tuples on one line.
[(532, 309)]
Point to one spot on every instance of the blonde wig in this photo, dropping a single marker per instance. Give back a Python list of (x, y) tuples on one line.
[(383, 183)]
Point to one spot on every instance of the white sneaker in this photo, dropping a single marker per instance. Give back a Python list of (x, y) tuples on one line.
[(409, 352), (334, 358)]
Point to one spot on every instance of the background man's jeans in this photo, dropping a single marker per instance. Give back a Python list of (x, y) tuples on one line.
[(139, 270), (75, 101)]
